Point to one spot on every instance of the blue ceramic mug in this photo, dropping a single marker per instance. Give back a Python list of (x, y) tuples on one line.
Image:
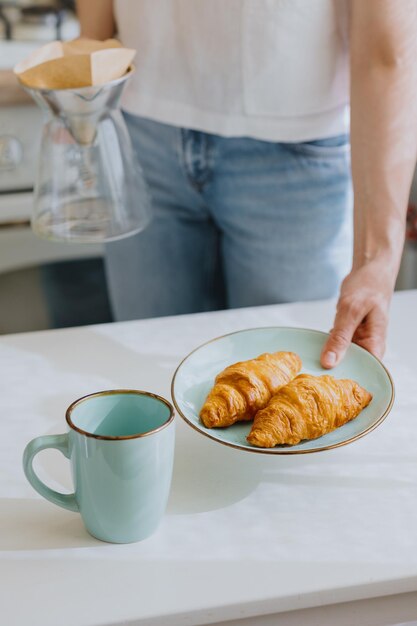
[(121, 447)]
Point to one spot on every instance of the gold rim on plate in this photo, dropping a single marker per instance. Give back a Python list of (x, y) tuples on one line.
[(276, 450)]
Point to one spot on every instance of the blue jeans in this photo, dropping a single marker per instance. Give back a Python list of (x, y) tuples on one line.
[(236, 222)]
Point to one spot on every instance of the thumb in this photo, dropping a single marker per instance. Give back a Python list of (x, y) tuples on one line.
[(346, 321)]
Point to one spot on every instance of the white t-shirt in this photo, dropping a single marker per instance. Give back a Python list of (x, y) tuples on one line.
[(270, 69)]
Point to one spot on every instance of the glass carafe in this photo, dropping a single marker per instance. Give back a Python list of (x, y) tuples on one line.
[(89, 186)]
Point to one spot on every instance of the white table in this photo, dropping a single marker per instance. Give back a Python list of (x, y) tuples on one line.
[(245, 535)]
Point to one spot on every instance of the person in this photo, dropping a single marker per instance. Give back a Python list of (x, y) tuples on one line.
[(239, 113)]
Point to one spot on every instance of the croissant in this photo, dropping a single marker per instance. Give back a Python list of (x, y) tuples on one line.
[(307, 408), (243, 388)]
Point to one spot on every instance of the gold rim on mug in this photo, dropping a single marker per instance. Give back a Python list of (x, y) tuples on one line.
[(276, 450), (112, 392)]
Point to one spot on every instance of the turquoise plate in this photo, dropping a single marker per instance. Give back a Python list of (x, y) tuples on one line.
[(196, 373)]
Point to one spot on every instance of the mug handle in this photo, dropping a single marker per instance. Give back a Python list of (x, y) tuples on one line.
[(60, 442)]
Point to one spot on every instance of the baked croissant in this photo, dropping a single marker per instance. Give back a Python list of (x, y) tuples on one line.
[(243, 388), (307, 408)]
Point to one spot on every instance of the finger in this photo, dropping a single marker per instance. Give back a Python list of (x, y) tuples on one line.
[(372, 335), (373, 345), (348, 318)]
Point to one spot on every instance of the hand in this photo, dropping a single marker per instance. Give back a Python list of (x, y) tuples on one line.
[(362, 312)]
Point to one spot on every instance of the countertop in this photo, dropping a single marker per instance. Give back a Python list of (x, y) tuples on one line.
[(244, 535)]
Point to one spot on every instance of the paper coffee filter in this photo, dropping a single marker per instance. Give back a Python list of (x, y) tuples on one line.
[(74, 64), (87, 46)]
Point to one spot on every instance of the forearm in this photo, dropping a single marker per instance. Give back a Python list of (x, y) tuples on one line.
[(383, 126), (96, 18)]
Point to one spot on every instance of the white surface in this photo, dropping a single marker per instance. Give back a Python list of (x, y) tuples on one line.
[(244, 535), (372, 612)]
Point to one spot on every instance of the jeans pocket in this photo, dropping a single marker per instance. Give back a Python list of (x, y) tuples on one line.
[(337, 146)]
